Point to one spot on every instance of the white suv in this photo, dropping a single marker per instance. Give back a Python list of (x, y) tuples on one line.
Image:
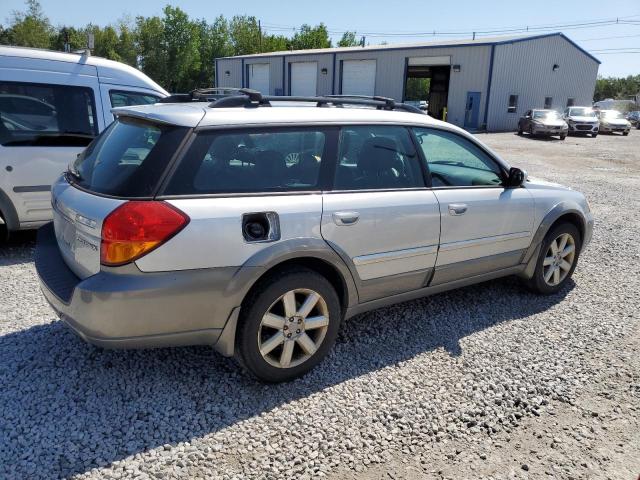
[(52, 105), (258, 230)]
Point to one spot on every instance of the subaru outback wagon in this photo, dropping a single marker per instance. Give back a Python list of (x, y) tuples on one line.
[(258, 230)]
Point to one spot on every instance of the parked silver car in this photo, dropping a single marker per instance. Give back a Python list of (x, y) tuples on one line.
[(613, 121), (259, 230), (543, 122), (582, 120)]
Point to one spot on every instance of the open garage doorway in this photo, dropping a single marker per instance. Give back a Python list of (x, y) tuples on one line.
[(427, 80)]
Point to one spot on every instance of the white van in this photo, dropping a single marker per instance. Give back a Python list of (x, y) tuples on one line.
[(52, 104)]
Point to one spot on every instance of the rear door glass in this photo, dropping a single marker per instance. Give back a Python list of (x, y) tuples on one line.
[(127, 159), (281, 160), (33, 114)]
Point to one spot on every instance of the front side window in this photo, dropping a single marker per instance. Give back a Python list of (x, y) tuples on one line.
[(454, 161), (513, 104), (34, 114), (377, 157), (122, 98), (127, 159), (250, 161)]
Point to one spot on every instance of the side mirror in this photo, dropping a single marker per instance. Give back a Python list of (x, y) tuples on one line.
[(517, 177)]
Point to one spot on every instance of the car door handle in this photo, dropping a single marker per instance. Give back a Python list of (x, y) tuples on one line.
[(346, 218), (457, 208)]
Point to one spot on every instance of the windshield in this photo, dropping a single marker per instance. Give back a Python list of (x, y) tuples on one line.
[(611, 114), (546, 115), (127, 159), (582, 112)]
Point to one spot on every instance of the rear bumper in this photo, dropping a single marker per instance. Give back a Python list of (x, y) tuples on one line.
[(141, 310)]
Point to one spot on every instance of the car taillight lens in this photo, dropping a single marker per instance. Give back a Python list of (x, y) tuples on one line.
[(137, 227)]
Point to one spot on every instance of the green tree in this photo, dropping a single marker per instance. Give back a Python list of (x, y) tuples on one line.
[(311, 37), (77, 38), (617, 88), (348, 40), (126, 47), (182, 43), (245, 35), (30, 28), (152, 53)]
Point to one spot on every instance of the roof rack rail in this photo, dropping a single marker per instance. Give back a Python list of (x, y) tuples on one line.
[(251, 98), (201, 95)]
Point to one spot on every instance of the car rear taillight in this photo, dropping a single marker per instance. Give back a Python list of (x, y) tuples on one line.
[(137, 227)]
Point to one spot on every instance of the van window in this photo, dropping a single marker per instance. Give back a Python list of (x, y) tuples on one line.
[(34, 114), (251, 161), (377, 157), (122, 98), (128, 159)]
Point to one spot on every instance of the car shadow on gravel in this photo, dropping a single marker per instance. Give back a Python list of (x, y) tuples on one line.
[(18, 249), (67, 407)]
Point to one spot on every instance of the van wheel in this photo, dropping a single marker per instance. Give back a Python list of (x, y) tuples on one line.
[(287, 326), (557, 259), (4, 231)]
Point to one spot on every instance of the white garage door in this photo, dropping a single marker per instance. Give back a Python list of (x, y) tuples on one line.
[(259, 77), (359, 77), (304, 79)]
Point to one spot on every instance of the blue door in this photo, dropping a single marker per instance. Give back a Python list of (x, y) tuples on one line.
[(472, 110)]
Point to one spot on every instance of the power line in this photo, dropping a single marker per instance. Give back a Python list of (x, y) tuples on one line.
[(522, 29), (607, 38)]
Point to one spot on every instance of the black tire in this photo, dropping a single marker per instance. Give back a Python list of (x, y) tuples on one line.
[(537, 283), (562, 137), (594, 135), (520, 130), (531, 131), (624, 134), (260, 301)]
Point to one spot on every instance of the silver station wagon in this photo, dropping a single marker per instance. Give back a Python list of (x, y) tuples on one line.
[(257, 230)]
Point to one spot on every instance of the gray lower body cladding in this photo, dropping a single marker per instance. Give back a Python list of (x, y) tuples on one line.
[(137, 310)]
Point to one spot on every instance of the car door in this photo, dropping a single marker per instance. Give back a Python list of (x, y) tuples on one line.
[(526, 121), (484, 226), (49, 112), (379, 216)]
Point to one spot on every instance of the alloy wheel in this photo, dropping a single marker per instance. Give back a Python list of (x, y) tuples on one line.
[(293, 328), (559, 259)]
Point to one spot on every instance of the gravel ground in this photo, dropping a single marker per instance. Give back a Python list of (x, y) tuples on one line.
[(487, 381)]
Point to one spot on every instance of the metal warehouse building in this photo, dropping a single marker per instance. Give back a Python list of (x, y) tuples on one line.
[(483, 84)]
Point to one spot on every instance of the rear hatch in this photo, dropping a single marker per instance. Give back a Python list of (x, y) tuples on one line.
[(126, 162)]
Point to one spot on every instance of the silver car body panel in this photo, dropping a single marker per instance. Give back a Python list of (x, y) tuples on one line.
[(77, 218)]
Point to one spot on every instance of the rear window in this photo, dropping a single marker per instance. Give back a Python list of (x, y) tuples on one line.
[(127, 159), (250, 161), (35, 114)]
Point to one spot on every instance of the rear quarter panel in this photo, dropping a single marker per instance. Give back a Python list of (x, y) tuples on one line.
[(213, 238)]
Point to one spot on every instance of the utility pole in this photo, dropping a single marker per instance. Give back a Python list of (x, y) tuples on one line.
[(259, 36), (362, 40)]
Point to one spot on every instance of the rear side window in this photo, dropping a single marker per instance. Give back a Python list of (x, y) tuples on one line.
[(127, 159), (34, 114), (377, 157), (250, 161), (122, 98)]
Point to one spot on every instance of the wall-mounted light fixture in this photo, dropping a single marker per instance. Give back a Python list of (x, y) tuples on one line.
[(324, 71), (456, 68), (227, 73), (556, 67)]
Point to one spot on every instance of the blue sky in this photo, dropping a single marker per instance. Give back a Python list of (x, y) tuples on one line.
[(387, 17)]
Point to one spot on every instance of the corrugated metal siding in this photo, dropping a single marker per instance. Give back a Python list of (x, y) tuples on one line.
[(234, 67), (275, 72), (324, 60), (390, 72), (525, 69)]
